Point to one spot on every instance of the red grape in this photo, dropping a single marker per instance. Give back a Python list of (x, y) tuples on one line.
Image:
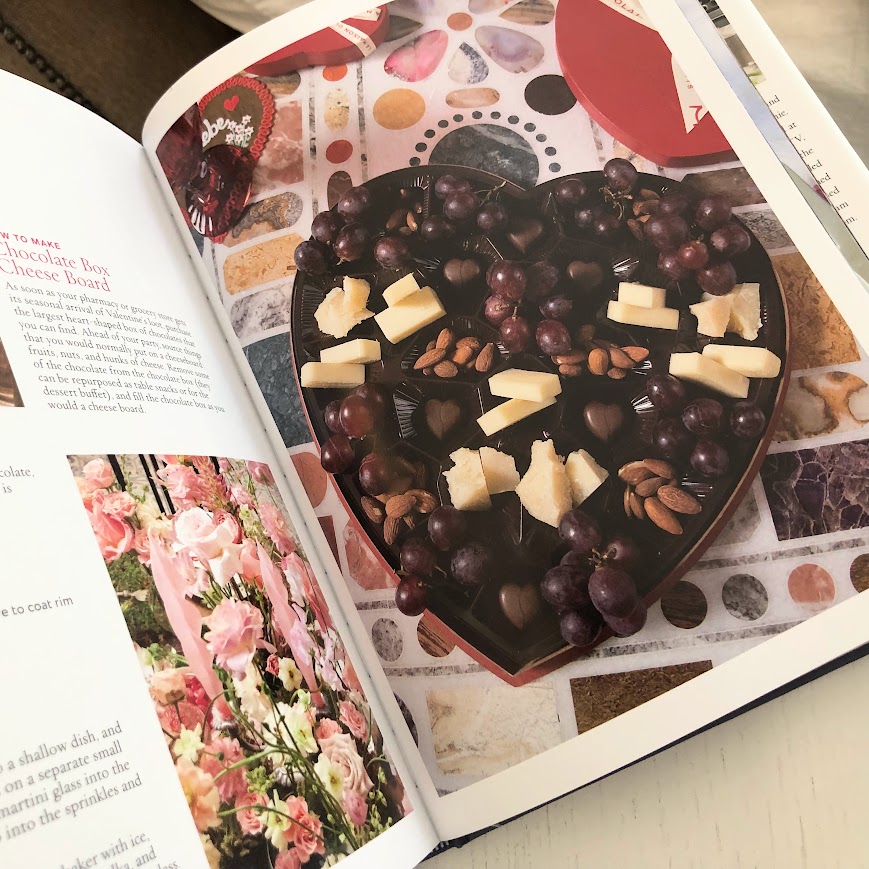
[(606, 226), (310, 257), (496, 310), (392, 253), (411, 596), (417, 556), (612, 591), (447, 184), (747, 420), (579, 628), (436, 228), (632, 623), (710, 459), (552, 337), (447, 527), (620, 174), (730, 240), (717, 279), (352, 242), (576, 560), (325, 226), (623, 552), (671, 438), (472, 564), (566, 588), (693, 255), (354, 203), (541, 279), (712, 212), (461, 205), (336, 455), (703, 416), (585, 217), (668, 264), (580, 531), (332, 417), (674, 203), (515, 334), (376, 473), (667, 393), (376, 396), (666, 231), (557, 308), (508, 279), (358, 417), (570, 191), (492, 217)]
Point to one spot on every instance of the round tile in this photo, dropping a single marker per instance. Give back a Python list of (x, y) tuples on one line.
[(491, 147), (549, 95), (339, 151), (744, 597), (811, 587), (459, 21), (684, 606), (860, 572), (387, 639), (335, 73), (398, 109)]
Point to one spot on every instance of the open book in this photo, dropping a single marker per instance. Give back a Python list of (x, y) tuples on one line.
[(235, 633)]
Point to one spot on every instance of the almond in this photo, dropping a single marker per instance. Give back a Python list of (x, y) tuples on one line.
[(659, 468), (409, 520), (634, 472), (598, 361), (585, 333), (428, 371), (425, 501), (569, 370), (636, 229), (646, 206), (648, 487), (662, 516), (445, 340), (431, 345), (412, 222), (396, 219), (400, 505), (636, 354), (383, 498), (637, 506), (679, 501), (620, 359), (470, 341), (391, 527), (461, 355), (617, 373), (627, 502), (486, 359), (446, 369), (430, 358), (373, 510), (577, 357)]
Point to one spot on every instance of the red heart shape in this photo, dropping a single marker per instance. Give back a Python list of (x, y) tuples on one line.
[(230, 103)]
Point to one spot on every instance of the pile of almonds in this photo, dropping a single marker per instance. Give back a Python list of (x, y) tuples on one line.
[(644, 206), (406, 220), (447, 355), (652, 492), (403, 504), (599, 356)]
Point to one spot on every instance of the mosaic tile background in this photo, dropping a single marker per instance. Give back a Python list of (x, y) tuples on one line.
[(478, 83)]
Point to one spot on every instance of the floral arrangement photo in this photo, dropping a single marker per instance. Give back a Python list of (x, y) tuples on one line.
[(272, 739)]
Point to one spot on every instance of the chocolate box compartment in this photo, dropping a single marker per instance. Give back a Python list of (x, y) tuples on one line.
[(473, 616)]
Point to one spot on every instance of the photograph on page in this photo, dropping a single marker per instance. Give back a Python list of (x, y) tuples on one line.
[(545, 359), (274, 743)]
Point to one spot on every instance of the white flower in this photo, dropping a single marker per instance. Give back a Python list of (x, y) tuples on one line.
[(289, 674), (245, 119), (303, 699), (292, 726), (189, 744), (252, 701), (277, 824), (331, 775)]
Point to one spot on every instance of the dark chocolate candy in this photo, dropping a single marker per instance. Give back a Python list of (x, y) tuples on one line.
[(587, 276), (524, 232), (604, 421), (520, 603), (462, 272), (442, 417)]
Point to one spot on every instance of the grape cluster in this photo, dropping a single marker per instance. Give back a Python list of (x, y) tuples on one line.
[(693, 430), (592, 584), (354, 417)]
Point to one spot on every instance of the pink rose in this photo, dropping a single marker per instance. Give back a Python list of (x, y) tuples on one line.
[(326, 728), (120, 504), (273, 665), (86, 490), (168, 686), (99, 472), (201, 794), (261, 473), (288, 859), (236, 627), (251, 820), (206, 536), (341, 750), (356, 807), (240, 496), (185, 714), (142, 545), (353, 719), (220, 753), (196, 693), (182, 483), (114, 535), (276, 527), (250, 565), (307, 832)]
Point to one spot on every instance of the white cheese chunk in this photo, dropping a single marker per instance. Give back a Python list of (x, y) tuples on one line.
[(634, 315), (750, 361), (356, 293), (361, 350), (338, 313), (400, 290), (528, 385), (510, 412), (744, 311), (410, 315), (642, 296), (499, 470), (585, 475), (466, 481), (708, 372), (712, 315), (324, 375), (545, 489)]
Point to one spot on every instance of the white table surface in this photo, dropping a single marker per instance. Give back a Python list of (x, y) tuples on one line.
[(787, 784)]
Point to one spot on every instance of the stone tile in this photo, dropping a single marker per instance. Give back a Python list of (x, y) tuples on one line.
[(267, 309), (821, 404)]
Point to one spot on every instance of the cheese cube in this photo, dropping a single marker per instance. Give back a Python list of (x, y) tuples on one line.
[(356, 292), (713, 315), (744, 310), (545, 489), (708, 372), (499, 470), (400, 290), (410, 315), (361, 350), (634, 315), (336, 316), (466, 481), (528, 385), (585, 475), (509, 412), (325, 375), (642, 296), (750, 361)]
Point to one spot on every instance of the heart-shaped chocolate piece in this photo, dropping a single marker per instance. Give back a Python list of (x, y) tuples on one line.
[(603, 420), (520, 603), (461, 272), (442, 417), (587, 276), (523, 232)]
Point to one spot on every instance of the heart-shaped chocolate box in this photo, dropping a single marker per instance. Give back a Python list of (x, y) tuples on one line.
[(475, 618)]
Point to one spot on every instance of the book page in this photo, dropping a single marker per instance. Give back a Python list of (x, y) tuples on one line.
[(484, 91), (179, 692)]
